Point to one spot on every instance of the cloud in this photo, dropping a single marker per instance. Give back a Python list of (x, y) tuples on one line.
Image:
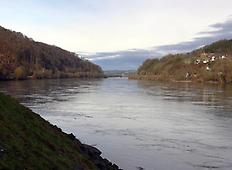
[(121, 60), (131, 59), (219, 31), (102, 57)]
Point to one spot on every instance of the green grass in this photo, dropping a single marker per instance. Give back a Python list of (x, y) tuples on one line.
[(30, 142)]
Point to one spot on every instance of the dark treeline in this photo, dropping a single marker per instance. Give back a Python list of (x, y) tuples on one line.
[(22, 58)]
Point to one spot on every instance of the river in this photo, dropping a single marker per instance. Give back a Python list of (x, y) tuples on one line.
[(138, 124)]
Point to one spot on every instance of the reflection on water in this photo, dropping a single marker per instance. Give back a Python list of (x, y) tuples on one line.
[(152, 125)]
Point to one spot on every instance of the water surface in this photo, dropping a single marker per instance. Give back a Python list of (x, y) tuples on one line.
[(155, 126)]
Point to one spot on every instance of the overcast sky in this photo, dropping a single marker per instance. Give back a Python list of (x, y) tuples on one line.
[(96, 26)]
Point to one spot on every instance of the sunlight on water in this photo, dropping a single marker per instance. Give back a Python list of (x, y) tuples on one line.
[(139, 124)]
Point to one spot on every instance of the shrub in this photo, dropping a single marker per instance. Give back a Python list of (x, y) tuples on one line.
[(20, 73)]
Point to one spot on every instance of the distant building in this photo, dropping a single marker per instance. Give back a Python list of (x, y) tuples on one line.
[(197, 61), (213, 58), (208, 68), (205, 61)]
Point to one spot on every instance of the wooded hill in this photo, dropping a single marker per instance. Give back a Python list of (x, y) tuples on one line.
[(23, 58), (210, 63)]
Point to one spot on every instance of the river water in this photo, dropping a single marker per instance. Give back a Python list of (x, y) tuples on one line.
[(138, 124)]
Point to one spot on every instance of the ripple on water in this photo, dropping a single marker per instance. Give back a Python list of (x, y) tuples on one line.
[(139, 124)]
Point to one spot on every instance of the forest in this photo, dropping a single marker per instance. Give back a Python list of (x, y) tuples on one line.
[(211, 63), (23, 58)]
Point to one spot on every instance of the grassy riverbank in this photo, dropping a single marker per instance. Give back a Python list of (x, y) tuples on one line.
[(29, 142)]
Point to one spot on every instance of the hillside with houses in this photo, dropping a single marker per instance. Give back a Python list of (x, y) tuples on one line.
[(212, 63), (23, 58)]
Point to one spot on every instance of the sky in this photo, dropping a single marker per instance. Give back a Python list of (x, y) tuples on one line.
[(120, 34)]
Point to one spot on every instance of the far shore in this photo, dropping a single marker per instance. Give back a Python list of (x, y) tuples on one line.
[(162, 79)]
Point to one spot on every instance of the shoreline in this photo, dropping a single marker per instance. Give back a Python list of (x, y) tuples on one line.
[(96, 76), (161, 79), (40, 144), (56, 78)]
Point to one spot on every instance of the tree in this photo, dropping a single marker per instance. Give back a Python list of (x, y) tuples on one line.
[(20, 73)]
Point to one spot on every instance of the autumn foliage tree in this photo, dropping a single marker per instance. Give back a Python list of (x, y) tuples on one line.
[(21, 57), (20, 73)]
